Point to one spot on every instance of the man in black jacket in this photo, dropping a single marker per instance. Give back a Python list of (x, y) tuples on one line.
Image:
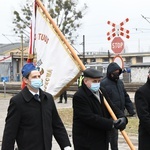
[(118, 95), (91, 119), (142, 103), (32, 119)]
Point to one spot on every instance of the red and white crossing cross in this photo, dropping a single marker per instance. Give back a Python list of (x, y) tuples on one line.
[(123, 22), (118, 30)]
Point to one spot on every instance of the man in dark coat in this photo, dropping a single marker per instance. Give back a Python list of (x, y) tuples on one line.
[(142, 103), (91, 119), (31, 120), (118, 95)]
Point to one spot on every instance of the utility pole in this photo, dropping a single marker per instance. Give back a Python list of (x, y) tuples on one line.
[(108, 56), (84, 49), (22, 59)]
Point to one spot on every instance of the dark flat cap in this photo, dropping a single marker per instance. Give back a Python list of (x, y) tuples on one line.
[(92, 73)]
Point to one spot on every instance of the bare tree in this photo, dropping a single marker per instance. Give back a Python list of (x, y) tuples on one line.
[(66, 14)]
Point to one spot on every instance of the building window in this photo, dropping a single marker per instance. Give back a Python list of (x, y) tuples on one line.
[(139, 59), (105, 59), (17, 65), (128, 60), (93, 59), (85, 61)]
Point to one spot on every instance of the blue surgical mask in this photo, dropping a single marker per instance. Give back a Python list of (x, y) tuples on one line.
[(36, 83), (95, 87)]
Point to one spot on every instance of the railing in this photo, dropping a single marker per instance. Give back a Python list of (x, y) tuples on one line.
[(15, 87)]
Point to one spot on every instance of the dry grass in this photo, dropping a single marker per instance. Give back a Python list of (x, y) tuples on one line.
[(132, 126), (5, 96), (66, 116)]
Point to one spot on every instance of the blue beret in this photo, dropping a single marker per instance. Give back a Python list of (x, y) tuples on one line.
[(92, 73), (27, 68)]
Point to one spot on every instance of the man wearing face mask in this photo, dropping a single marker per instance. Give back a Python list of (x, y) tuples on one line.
[(118, 95), (91, 119), (32, 119), (142, 103)]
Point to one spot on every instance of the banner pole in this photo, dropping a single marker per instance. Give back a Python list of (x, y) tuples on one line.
[(122, 132)]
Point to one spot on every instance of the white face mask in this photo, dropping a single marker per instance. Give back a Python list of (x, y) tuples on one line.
[(95, 87), (36, 83)]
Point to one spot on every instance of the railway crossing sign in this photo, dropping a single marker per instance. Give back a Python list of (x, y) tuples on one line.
[(117, 45), (118, 30)]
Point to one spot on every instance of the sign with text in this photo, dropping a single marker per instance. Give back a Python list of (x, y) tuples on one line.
[(117, 45)]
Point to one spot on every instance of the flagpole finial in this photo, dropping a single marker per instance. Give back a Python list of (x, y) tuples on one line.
[(30, 56)]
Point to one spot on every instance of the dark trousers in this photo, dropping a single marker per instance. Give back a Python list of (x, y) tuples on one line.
[(113, 139), (63, 95)]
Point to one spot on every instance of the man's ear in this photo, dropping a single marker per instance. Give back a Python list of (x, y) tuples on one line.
[(25, 80), (85, 80)]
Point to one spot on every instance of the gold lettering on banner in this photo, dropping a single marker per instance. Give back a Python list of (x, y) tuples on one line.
[(47, 78), (43, 37)]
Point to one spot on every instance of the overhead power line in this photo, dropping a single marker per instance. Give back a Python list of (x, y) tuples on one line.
[(146, 18), (8, 39)]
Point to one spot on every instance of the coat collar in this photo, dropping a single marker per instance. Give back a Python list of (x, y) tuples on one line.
[(28, 95)]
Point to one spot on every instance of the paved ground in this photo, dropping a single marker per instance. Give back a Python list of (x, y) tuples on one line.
[(4, 101)]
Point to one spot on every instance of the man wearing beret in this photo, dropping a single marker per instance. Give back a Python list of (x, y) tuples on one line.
[(91, 119), (118, 95), (32, 119)]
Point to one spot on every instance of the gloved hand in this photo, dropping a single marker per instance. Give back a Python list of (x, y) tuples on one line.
[(133, 114), (120, 123)]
